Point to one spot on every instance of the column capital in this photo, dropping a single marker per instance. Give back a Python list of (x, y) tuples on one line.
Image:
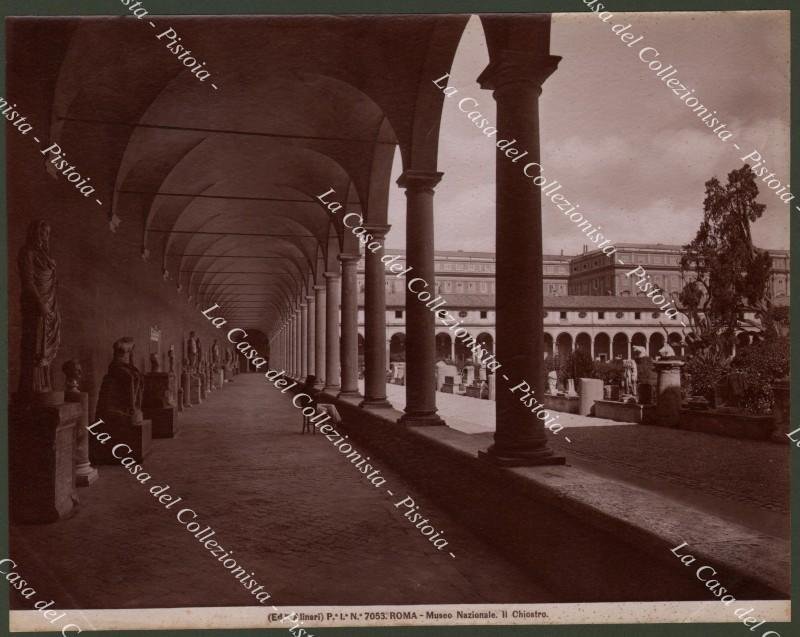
[(419, 180), (349, 258), (378, 231), (319, 288), (332, 275), (518, 67), (303, 304), (311, 298)]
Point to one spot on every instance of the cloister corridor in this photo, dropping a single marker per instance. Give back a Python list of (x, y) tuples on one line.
[(292, 509)]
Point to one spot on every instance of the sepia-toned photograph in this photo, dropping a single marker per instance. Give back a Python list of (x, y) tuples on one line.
[(367, 320)]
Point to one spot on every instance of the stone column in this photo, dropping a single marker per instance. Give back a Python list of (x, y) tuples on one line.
[(453, 348), (293, 326), (520, 439), (320, 294), (311, 353), (668, 394), (420, 321), (303, 329), (376, 345), (298, 345), (289, 346), (332, 301), (349, 341)]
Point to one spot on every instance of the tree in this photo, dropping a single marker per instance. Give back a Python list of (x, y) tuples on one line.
[(726, 274)]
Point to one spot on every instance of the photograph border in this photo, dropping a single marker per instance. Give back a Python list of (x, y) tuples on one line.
[(54, 8)]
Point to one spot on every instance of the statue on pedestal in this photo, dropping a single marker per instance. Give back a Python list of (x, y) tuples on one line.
[(191, 351), (630, 377), (552, 382), (85, 473), (215, 355), (41, 318), (121, 391)]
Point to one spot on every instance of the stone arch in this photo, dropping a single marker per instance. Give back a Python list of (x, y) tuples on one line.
[(397, 347), (548, 344), (602, 346), (639, 340), (656, 343), (619, 346), (583, 342), (563, 344), (444, 345)]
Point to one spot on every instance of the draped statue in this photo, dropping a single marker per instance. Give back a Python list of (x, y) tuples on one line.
[(121, 390), (41, 318)]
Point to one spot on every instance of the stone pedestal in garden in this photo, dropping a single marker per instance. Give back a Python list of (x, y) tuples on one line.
[(668, 393), (590, 390), (41, 460)]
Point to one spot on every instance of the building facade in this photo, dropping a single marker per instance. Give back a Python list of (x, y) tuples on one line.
[(590, 304)]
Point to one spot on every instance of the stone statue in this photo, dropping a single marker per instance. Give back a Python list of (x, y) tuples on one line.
[(41, 319), (639, 351), (552, 382), (630, 376), (215, 355), (155, 364), (73, 375), (121, 391), (171, 357), (191, 351)]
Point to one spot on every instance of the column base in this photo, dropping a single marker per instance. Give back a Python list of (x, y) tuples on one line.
[(421, 420), (311, 379), (331, 389), (86, 475), (375, 403), (319, 385), (352, 394), (520, 458)]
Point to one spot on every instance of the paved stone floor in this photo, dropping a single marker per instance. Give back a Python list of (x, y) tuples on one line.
[(290, 507)]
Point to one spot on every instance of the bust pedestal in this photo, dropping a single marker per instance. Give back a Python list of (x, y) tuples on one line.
[(195, 395), (85, 473), (131, 430), (157, 405), (41, 460)]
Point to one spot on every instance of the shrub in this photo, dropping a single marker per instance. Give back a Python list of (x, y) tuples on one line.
[(582, 364), (762, 364), (609, 372), (703, 371)]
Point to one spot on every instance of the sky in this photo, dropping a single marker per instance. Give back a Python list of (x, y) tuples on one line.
[(621, 143)]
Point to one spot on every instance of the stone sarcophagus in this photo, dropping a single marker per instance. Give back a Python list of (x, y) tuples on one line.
[(119, 406)]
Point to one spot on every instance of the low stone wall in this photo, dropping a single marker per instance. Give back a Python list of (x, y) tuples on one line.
[(624, 412), (566, 404), (584, 537), (725, 424)]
